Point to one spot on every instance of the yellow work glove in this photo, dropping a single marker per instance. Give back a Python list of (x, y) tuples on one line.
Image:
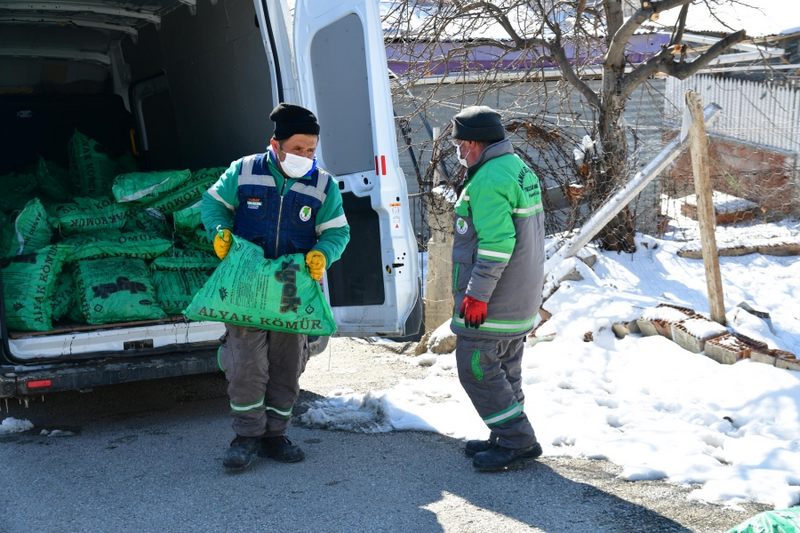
[(222, 242), (315, 261)]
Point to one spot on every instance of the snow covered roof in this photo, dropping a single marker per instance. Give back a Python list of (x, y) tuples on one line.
[(758, 19)]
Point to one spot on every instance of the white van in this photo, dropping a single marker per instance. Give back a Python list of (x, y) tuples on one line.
[(190, 84)]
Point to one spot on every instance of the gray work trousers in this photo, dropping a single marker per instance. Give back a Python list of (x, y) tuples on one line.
[(263, 370), (490, 370)]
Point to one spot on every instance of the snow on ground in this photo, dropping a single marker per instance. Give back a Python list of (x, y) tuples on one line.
[(14, 425), (658, 411)]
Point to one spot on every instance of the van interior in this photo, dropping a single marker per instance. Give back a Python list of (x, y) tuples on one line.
[(174, 84)]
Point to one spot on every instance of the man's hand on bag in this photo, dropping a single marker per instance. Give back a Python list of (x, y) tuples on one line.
[(315, 261), (473, 312), (222, 242)]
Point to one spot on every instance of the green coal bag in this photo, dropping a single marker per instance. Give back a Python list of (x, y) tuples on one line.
[(116, 289), (16, 189), (88, 214), (91, 167), (28, 232), (272, 294), (29, 282), (176, 288), (777, 521), (182, 259), (187, 219), (189, 228), (63, 295), (188, 193), (198, 240), (52, 180), (114, 243), (148, 220), (145, 187)]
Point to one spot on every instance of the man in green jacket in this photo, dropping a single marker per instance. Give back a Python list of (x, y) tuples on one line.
[(283, 202), (498, 274)]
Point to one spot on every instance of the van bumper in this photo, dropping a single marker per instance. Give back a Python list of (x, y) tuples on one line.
[(18, 381)]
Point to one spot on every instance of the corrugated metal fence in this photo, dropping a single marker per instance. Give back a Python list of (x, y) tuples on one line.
[(754, 112)]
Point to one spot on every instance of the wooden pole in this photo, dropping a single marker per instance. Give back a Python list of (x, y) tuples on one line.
[(705, 206)]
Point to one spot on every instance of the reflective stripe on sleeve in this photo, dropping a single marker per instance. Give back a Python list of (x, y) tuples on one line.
[(529, 211), (215, 195), (489, 254), (501, 326), (337, 222)]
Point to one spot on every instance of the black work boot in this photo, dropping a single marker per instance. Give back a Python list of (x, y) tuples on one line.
[(241, 453), (474, 446), (499, 458), (281, 449)]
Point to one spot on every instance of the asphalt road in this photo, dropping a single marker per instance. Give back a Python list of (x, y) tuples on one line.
[(146, 458)]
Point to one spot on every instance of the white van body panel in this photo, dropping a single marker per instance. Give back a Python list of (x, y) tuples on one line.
[(284, 79), (341, 62), (76, 344)]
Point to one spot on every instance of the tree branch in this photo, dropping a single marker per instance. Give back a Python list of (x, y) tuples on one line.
[(558, 53), (683, 70), (616, 47), (677, 36), (555, 48), (496, 13), (665, 62)]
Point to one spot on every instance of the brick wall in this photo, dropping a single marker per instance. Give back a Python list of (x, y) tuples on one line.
[(751, 172)]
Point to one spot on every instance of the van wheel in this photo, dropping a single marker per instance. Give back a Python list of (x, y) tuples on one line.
[(317, 345)]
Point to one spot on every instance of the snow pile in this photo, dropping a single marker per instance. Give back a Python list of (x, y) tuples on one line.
[(644, 403)]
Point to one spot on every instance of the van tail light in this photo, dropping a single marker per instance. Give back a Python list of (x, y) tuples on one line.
[(39, 383)]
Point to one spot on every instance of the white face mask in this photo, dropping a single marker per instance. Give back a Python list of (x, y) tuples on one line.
[(296, 166), (461, 159)]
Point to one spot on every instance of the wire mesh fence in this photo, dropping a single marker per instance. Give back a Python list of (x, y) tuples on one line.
[(553, 131), (753, 150)]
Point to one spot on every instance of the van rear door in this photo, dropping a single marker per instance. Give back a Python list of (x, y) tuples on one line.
[(342, 76)]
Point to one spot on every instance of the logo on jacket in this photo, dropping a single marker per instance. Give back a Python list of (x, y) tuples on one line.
[(461, 226), (305, 213), (253, 203)]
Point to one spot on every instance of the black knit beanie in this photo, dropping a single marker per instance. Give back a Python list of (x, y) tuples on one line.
[(290, 119), (478, 123)]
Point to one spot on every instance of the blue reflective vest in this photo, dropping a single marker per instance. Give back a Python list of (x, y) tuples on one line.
[(280, 223)]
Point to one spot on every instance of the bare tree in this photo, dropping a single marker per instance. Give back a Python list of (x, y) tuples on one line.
[(576, 36)]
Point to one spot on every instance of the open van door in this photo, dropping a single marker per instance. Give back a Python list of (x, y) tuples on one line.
[(342, 76)]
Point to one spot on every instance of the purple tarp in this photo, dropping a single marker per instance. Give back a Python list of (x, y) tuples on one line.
[(443, 58)]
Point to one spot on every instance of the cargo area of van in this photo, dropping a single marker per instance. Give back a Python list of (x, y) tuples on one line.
[(116, 116)]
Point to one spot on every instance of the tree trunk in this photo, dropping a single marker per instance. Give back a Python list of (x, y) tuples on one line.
[(617, 235)]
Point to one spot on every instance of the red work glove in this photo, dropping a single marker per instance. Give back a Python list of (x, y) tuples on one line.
[(473, 312)]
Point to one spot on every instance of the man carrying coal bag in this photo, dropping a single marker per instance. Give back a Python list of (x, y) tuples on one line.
[(282, 202)]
